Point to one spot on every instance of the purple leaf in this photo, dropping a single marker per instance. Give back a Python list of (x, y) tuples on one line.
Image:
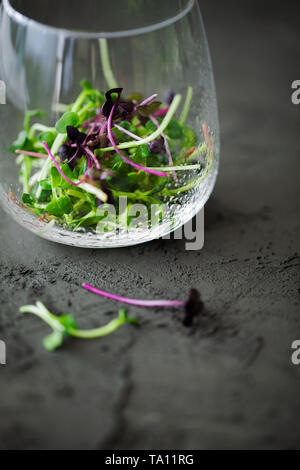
[(76, 136), (107, 107)]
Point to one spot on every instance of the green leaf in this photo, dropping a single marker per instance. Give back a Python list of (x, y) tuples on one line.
[(46, 184), (68, 321), (125, 124), (19, 143), (118, 163), (48, 137), (150, 127), (44, 197), (59, 207), (82, 166), (86, 85), (28, 200), (174, 130), (189, 137), (71, 174), (68, 119), (55, 178), (143, 151)]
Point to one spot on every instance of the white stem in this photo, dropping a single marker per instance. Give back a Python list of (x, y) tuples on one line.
[(125, 131), (187, 105), (106, 65), (169, 169), (95, 191)]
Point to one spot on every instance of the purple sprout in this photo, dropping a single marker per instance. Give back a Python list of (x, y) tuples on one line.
[(58, 167), (75, 136), (193, 306), (125, 159), (136, 302), (157, 146), (66, 152)]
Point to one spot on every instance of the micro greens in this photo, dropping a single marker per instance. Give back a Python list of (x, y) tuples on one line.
[(65, 326), (105, 147)]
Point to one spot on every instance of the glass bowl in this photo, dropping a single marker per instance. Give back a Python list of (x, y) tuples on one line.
[(143, 46)]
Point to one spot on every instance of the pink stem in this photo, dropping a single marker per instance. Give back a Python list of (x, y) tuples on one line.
[(147, 101), (98, 118), (136, 302), (171, 163), (207, 137), (161, 112), (88, 122), (103, 127), (58, 167), (135, 165), (125, 131), (31, 154), (93, 157)]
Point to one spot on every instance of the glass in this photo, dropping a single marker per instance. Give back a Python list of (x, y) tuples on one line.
[(152, 47)]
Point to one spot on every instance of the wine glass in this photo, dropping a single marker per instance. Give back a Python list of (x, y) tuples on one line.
[(143, 46)]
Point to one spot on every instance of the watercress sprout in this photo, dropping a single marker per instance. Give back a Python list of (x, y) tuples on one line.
[(65, 325)]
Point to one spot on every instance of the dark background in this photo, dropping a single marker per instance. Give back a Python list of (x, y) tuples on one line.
[(229, 381)]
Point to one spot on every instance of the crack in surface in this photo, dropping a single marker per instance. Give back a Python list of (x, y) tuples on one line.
[(122, 401)]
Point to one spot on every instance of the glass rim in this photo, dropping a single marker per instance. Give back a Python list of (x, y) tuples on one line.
[(25, 20)]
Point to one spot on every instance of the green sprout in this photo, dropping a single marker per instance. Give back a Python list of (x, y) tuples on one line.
[(65, 326)]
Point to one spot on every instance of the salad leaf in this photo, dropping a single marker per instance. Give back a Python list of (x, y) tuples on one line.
[(174, 130), (28, 199), (68, 119), (59, 207)]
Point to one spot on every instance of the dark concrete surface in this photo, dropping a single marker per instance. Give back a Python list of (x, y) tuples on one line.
[(229, 381)]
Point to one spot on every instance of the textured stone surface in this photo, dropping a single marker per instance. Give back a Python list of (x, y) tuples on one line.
[(226, 383)]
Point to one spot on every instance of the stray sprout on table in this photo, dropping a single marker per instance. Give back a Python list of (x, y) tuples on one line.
[(193, 306), (65, 325)]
